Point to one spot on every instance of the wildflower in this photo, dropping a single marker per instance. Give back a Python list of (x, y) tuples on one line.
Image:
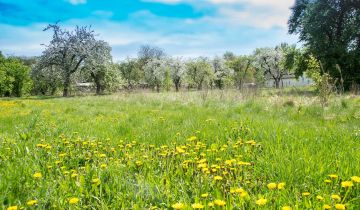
[(102, 156), (320, 198), (326, 206), (31, 202), (211, 204), (347, 184), (243, 194), (12, 208), (192, 138), (96, 181), (281, 185), (271, 186), (218, 178), (336, 197), (333, 176), (305, 193), (356, 179), (205, 195), (286, 208), (103, 166), (37, 175), (219, 202), (138, 163), (197, 206), (327, 181), (74, 175), (74, 200), (340, 206), (261, 202), (178, 206)]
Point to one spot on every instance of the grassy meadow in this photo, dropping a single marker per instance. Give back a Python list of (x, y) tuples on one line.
[(186, 150)]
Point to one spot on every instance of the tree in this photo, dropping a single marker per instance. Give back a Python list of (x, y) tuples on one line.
[(97, 64), (177, 72), (222, 73), (47, 79), (275, 62), (130, 71), (199, 72), (14, 77), (155, 71), (147, 53), (330, 30), (242, 68), (68, 52)]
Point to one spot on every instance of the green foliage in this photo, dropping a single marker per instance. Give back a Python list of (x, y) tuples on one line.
[(199, 73), (330, 30), (131, 72), (14, 77)]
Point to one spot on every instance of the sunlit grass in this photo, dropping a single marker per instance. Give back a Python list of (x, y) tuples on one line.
[(216, 149)]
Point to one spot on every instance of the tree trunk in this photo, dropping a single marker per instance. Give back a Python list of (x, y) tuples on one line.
[(177, 87), (66, 86), (277, 83)]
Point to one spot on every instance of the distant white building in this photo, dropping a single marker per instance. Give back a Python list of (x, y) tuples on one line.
[(290, 80)]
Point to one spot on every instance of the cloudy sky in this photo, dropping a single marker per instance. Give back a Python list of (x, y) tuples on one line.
[(185, 28)]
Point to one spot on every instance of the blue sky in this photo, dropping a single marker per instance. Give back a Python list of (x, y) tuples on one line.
[(186, 28)]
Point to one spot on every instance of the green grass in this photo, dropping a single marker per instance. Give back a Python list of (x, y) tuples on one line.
[(297, 142)]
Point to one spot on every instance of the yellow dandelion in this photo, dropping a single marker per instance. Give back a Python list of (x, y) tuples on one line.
[(219, 202), (211, 204), (37, 175), (333, 176), (355, 179), (218, 178), (271, 186), (336, 197), (286, 208), (32, 202), (197, 206), (261, 202), (326, 206), (178, 206), (340, 206), (74, 200), (305, 193), (12, 208), (281, 185), (96, 181), (243, 194), (320, 198), (347, 184), (327, 181), (74, 175), (205, 195), (103, 166)]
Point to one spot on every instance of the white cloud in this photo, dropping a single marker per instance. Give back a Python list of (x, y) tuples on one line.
[(255, 13), (76, 2)]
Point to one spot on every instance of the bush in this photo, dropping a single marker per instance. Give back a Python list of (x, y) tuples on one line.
[(14, 78)]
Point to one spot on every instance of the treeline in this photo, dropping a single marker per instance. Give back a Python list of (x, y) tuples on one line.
[(329, 30), (77, 57)]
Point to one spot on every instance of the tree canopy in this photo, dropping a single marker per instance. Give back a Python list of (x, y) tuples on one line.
[(330, 30)]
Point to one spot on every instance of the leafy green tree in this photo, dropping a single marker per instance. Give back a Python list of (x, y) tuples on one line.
[(222, 73), (242, 68), (14, 77), (97, 64), (330, 30), (155, 72), (199, 72), (177, 72), (131, 72)]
